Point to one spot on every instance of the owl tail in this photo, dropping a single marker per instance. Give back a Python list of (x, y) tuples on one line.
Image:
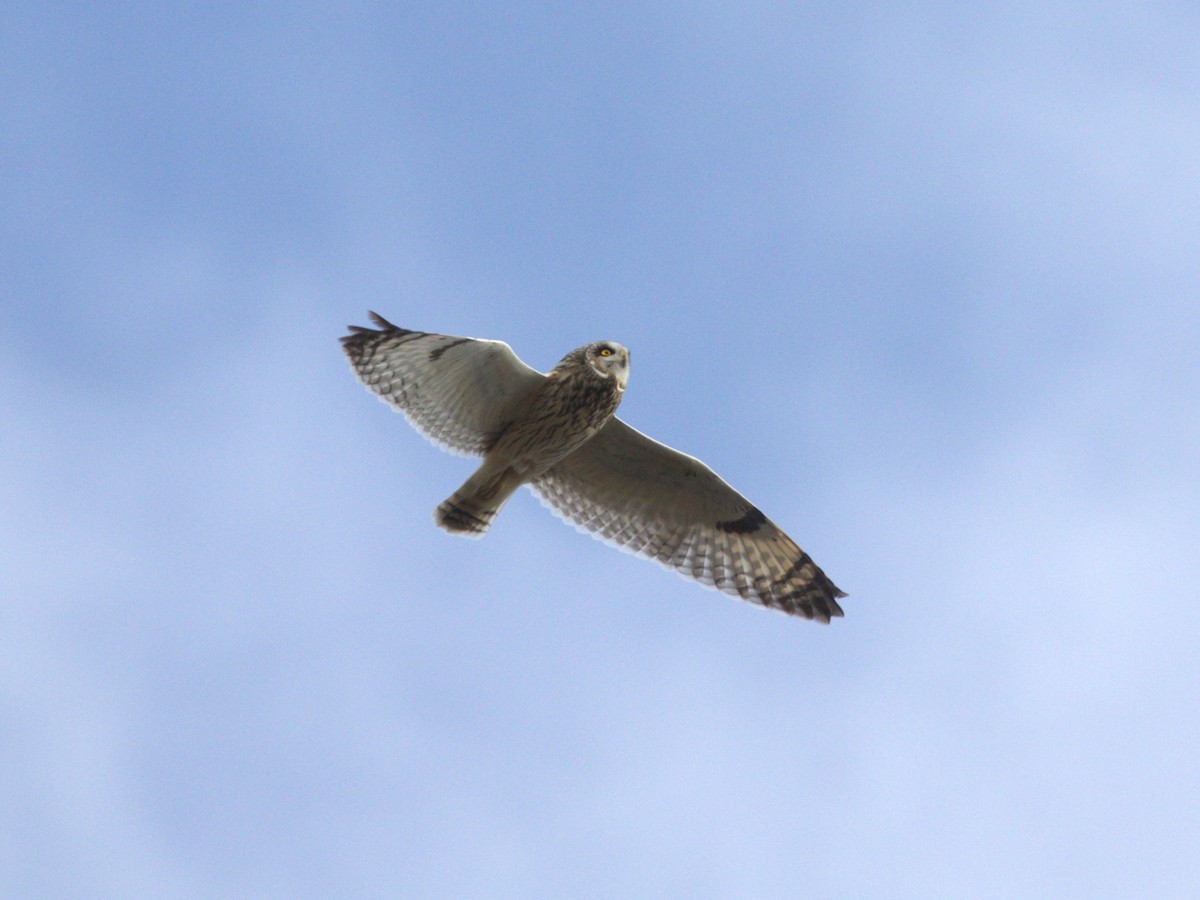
[(469, 510)]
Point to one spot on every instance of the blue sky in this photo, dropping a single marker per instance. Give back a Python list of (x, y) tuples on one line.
[(920, 280)]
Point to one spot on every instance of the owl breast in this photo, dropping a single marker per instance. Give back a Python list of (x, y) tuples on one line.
[(571, 407)]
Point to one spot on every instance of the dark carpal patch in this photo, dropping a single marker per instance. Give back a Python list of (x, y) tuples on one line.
[(751, 521), (435, 355)]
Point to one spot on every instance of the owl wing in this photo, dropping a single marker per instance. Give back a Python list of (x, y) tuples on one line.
[(457, 391), (649, 499)]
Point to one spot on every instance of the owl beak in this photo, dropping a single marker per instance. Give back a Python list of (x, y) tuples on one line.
[(621, 374)]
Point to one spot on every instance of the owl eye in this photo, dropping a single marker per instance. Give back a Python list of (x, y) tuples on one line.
[(606, 351)]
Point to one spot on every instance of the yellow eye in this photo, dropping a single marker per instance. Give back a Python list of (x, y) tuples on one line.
[(606, 351)]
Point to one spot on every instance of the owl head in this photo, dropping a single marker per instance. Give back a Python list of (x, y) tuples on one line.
[(609, 360)]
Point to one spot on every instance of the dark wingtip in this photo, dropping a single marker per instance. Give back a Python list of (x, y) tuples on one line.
[(829, 605), (356, 333), (383, 323), (359, 335)]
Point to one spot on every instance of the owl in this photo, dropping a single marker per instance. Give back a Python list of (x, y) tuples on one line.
[(558, 433)]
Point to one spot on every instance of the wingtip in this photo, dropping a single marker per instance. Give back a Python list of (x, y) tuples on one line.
[(383, 323), (833, 610), (359, 333)]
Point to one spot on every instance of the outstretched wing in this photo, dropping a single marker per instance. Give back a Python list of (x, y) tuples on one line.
[(457, 391), (645, 497)]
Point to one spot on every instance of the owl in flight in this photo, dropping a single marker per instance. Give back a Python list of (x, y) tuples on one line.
[(558, 434)]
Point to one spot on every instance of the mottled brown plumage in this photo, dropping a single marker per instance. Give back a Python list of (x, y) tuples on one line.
[(570, 405), (558, 433)]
